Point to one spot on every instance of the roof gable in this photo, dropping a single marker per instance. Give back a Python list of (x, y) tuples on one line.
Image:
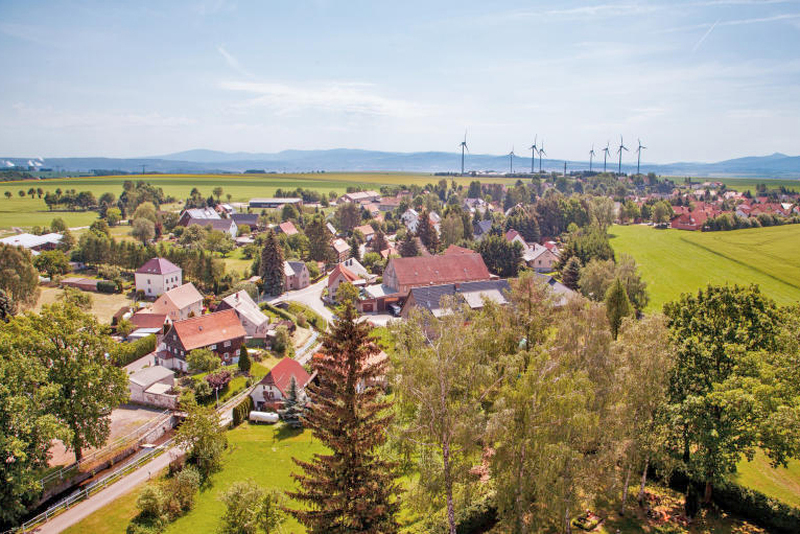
[(208, 329), (281, 375), (158, 266)]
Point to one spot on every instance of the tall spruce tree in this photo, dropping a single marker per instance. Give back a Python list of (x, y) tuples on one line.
[(352, 489), (272, 265), (571, 273), (618, 306), (293, 406), (244, 360), (427, 232), (408, 246)]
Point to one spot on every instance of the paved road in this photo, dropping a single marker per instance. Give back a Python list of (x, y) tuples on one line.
[(310, 296), (110, 494)]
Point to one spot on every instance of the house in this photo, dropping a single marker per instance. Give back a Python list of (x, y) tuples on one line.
[(689, 221), (270, 392), (287, 228), (331, 229), (410, 219), (481, 229), (156, 276), (367, 230), (339, 275), (180, 303), (296, 275), (223, 225), (254, 322), (152, 386), (341, 249), (473, 294), (221, 332), (359, 270), (388, 203), (361, 197), (539, 258), (404, 273), (225, 209), (455, 249), (148, 320), (475, 204), (512, 236), (560, 292), (34, 243), (248, 219), (274, 202), (206, 213)]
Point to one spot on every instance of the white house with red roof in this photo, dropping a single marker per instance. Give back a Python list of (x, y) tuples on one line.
[(270, 392), (157, 276), (339, 275)]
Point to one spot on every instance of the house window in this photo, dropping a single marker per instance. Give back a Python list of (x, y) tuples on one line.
[(226, 355), (212, 347), (182, 353), (226, 344), (148, 281)]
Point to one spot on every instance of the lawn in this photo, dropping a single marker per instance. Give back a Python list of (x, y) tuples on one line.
[(27, 212), (104, 306), (782, 483), (263, 453), (675, 261), (236, 262)]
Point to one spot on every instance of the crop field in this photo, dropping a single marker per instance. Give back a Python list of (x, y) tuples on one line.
[(27, 212), (673, 262)]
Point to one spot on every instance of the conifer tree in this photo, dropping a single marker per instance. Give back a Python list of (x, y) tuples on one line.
[(244, 360), (408, 246), (427, 232), (571, 273), (293, 406), (351, 489), (272, 265), (618, 306), (379, 242)]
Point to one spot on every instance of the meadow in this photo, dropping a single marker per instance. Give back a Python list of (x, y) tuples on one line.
[(673, 262)]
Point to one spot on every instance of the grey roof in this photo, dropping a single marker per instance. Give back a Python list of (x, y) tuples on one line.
[(561, 291), (150, 375), (31, 240), (217, 224), (202, 213), (482, 227), (245, 218), (430, 297)]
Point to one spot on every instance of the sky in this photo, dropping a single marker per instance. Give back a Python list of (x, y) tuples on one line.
[(695, 80)]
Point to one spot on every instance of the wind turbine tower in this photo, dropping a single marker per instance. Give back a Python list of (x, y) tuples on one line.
[(533, 154), (463, 146), (605, 155), (591, 155), (619, 151), (541, 153), (639, 155)]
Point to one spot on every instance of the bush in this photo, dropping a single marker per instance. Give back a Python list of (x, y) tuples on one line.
[(150, 502), (180, 492), (283, 314), (106, 286), (309, 315), (478, 517), (125, 353), (242, 411)]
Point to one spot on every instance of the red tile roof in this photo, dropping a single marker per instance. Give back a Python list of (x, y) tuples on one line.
[(366, 230), (431, 270), (148, 320), (348, 275), (158, 266), (288, 228), (209, 329), (281, 375), (455, 249)]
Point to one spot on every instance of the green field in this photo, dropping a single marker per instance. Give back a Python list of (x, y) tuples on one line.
[(27, 212), (675, 261), (782, 483)]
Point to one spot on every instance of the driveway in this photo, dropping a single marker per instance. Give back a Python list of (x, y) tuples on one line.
[(310, 296)]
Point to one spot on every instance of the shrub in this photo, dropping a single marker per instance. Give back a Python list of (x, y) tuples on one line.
[(479, 516), (283, 314), (180, 492), (150, 502), (242, 411), (202, 360), (219, 380), (125, 353), (106, 286), (202, 389)]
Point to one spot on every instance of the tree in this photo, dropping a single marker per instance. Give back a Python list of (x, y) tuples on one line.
[(244, 360), (204, 438), (319, 238), (617, 306), (272, 265), (283, 341), (408, 246), (113, 216), (219, 241), (143, 230), (427, 232), (526, 224), (726, 394), (347, 292), (587, 244), (662, 212), (146, 210), (7, 306), (193, 236), (452, 230), (646, 356), (28, 425), (293, 406), (443, 374), (100, 226), (602, 212), (52, 262), (8, 194), (18, 277), (347, 217), (202, 361), (217, 192), (351, 489), (598, 275), (72, 346), (58, 225), (474, 190), (571, 272), (502, 257), (379, 242), (67, 241), (249, 508)]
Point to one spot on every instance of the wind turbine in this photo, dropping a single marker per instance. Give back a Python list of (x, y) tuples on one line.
[(639, 155), (511, 160), (619, 151), (605, 155), (541, 152), (533, 154), (591, 155), (463, 146)]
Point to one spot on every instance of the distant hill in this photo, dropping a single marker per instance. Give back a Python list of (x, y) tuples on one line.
[(191, 161)]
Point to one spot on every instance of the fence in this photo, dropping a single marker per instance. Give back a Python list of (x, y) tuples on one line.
[(98, 456), (89, 490)]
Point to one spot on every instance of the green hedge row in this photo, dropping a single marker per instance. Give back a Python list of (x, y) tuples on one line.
[(756, 507), (313, 318), (125, 353), (283, 314), (106, 286), (242, 411)]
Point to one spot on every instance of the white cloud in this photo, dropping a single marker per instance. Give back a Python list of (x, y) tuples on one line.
[(343, 97)]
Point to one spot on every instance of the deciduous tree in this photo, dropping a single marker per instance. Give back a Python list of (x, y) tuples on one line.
[(18, 277)]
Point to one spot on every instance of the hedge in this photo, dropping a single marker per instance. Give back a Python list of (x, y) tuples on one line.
[(311, 316), (125, 353), (241, 411), (754, 506), (278, 311), (106, 286)]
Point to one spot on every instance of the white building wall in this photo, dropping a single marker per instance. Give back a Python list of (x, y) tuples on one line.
[(154, 285)]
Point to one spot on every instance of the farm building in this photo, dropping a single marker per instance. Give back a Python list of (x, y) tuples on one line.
[(274, 202), (34, 243), (402, 274), (152, 385)]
